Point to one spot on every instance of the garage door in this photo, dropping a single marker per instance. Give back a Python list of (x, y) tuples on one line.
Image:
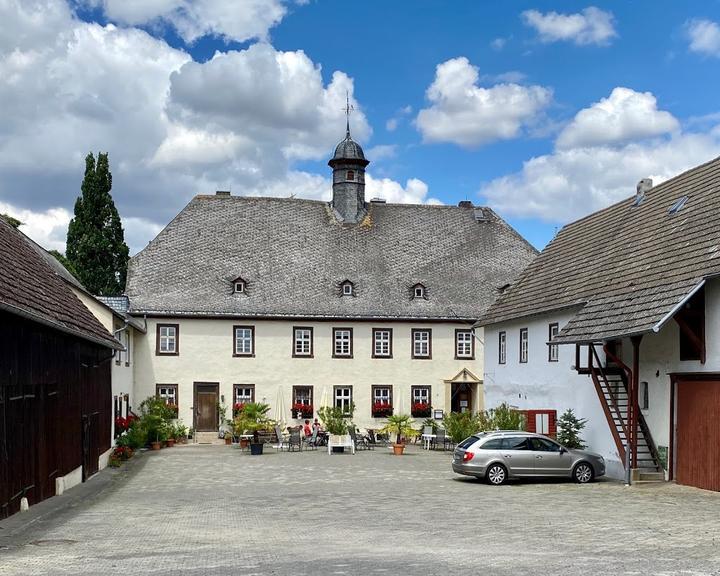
[(698, 434)]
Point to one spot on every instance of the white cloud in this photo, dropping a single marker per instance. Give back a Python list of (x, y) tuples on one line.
[(392, 124), (173, 127), (704, 36), (193, 19), (498, 44), (414, 192), (590, 26), (589, 171), (623, 116), (381, 152), (48, 228), (470, 115)]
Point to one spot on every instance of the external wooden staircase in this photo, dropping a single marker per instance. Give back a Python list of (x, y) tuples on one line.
[(611, 385)]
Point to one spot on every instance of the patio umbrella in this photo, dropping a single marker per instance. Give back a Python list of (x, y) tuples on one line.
[(324, 397), (280, 409)]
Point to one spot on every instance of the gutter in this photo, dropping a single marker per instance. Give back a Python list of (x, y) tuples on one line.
[(59, 326), (677, 307)]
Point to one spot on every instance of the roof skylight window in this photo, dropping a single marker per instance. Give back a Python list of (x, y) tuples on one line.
[(679, 203)]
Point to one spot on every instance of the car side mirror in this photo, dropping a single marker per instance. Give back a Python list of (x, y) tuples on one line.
[(563, 449)]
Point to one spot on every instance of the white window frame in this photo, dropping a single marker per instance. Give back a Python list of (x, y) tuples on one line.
[(420, 394), (421, 339), (418, 291), (524, 345), (243, 393), (554, 349), (382, 393), (502, 347), (168, 392), (246, 341), (302, 341), (347, 289), (239, 287), (464, 344), (342, 398), (382, 342), (166, 339), (342, 342)]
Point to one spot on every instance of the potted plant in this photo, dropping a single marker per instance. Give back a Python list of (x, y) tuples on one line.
[(334, 420), (402, 426), (253, 418), (181, 433), (228, 438), (301, 411)]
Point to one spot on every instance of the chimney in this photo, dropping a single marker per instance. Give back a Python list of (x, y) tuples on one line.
[(222, 192), (465, 204), (643, 186)]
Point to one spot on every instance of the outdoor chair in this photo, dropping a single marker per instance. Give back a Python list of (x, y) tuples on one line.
[(311, 441), (295, 441), (282, 439), (358, 441), (441, 439), (370, 440)]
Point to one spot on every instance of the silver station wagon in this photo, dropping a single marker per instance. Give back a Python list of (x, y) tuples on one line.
[(502, 455)]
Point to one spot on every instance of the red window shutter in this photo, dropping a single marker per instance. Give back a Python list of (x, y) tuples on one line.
[(530, 419), (552, 418)]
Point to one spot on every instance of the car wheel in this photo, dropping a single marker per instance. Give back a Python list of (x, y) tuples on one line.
[(583, 473), (496, 474)]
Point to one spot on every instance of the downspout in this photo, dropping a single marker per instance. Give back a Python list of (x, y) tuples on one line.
[(634, 399)]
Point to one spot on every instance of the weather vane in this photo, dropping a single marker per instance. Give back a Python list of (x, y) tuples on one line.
[(348, 108)]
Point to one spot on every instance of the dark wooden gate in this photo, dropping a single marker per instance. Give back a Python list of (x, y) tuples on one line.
[(698, 434), (206, 413)]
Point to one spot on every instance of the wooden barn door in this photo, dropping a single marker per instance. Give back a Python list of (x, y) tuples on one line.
[(698, 434)]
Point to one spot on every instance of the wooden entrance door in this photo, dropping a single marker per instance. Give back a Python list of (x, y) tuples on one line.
[(461, 397), (206, 413), (698, 434)]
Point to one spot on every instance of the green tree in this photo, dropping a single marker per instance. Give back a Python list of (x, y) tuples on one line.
[(96, 246), (14, 222), (569, 429)]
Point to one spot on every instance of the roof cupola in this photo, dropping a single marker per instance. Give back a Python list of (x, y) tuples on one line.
[(348, 164)]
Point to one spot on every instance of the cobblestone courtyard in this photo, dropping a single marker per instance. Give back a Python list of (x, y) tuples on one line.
[(212, 510)]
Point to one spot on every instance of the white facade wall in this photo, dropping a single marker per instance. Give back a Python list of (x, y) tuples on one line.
[(543, 385), (540, 384), (206, 355)]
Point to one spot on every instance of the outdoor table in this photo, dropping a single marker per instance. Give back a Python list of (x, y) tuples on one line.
[(427, 439)]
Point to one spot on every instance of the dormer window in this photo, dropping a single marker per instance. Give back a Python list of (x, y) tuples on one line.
[(348, 288), (239, 286), (419, 291), (350, 175)]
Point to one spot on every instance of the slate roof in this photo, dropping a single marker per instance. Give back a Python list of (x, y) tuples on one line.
[(31, 287), (294, 255), (626, 269)]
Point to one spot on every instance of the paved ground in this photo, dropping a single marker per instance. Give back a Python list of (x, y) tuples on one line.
[(206, 510)]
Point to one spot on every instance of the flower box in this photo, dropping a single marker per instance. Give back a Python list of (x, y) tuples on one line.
[(382, 409), (421, 410), (301, 411)]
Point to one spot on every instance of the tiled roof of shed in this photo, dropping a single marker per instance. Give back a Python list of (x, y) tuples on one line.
[(294, 255), (31, 287), (625, 267)]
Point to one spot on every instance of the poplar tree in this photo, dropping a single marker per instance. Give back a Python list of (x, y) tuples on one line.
[(96, 246)]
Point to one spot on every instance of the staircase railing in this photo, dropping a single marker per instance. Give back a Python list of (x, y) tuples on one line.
[(597, 373)]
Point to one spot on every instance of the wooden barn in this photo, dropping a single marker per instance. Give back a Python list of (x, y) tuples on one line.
[(55, 388)]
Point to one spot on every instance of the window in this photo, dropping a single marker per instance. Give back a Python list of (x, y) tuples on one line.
[(464, 345), (168, 392), (244, 341), (382, 401), (419, 291), (128, 355), (422, 343), (342, 343), (679, 203), (348, 288), (243, 393), (167, 340), (644, 396), (343, 398), (515, 443), (502, 347), (541, 422), (382, 343), (420, 401), (350, 175), (302, 342), (553, 329), (239, 287), (492, 444), (543, 445), (121, 355), (523, 344), (302, 401)]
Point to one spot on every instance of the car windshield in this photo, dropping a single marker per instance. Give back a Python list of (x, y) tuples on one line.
[(469, 442)]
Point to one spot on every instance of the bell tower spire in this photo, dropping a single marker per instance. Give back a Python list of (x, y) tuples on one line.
[(348, 164)]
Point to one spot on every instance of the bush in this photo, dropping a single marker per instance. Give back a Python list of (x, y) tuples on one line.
[(460, 425), (135, 437), (505, 418), (334, 419)]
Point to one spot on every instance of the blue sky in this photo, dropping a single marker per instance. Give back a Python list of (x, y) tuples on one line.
[(543, 110)]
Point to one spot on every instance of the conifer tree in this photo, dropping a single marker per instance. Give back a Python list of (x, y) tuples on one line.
[(96, 246), (569, 428)]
